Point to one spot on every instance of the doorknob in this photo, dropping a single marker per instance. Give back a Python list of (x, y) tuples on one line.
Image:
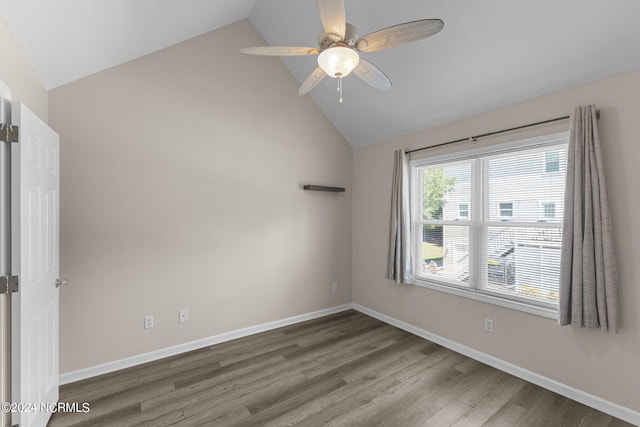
[(60, 283)]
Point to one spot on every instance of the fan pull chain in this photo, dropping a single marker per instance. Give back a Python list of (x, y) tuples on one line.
[(340, 87)]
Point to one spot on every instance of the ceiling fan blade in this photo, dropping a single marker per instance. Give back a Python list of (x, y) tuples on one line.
[(312, 81), (280, 51), (333, 18), (399, 34), (372, 75)]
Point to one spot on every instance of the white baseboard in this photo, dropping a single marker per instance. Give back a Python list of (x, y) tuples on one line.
[(105, 368), (598, 403)]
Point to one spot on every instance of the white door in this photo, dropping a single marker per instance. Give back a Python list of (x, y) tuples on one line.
[(35, 173)]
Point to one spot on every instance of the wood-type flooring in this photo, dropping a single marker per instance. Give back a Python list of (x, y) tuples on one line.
[(346, 369)]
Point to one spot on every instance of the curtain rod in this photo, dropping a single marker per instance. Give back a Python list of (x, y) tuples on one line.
[(474, 138)]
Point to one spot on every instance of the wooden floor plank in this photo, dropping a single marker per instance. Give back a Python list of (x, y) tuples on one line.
[(357, 407), (411, 410), (543, 410), (346, 369), (508, 415), (495, 398), (301, 414), (387, 364), (449, 414)]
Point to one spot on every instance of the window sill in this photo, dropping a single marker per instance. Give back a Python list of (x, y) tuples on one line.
[(490, 299)]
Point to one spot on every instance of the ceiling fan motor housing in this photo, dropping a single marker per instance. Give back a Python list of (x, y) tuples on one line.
[(351, 35), (326, 41)]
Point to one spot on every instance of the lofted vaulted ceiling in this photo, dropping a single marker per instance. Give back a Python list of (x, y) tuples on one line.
[(490, 53)]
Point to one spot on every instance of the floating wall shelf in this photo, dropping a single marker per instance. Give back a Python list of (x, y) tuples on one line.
[(323, 188)]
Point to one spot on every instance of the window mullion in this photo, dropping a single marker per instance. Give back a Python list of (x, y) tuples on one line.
[(416, 203), (476, 234)]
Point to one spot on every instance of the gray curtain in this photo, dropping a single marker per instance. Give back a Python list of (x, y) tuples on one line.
[(399, 263), (588, 276)]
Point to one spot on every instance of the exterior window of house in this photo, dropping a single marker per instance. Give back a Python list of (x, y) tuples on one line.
[(463, 210), (506, 209), (552, 162), (549, 210), (469, 240)]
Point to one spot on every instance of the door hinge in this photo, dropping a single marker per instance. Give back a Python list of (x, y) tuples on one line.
[(8, 133), (8, 284)]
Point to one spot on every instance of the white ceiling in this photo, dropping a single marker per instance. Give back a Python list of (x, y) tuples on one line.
[(490, 53), (69, 39)]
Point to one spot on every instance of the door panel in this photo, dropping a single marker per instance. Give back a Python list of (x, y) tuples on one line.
[(35, 259)]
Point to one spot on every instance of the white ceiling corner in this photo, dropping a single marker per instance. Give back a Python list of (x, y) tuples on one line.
[(69, 39)]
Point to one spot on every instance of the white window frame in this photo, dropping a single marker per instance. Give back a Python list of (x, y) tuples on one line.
[(474, 291)]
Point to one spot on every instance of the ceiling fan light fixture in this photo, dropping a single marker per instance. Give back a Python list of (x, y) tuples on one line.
[(339, 47), (338, 61)]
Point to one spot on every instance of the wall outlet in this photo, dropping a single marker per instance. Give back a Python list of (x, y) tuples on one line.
[(334, 286), (184, 315), (488, 325), (148, 322)]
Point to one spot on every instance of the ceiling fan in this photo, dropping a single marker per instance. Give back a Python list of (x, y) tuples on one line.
[(338, 47)]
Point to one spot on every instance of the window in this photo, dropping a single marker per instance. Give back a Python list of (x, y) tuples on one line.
[(469, 239), (552, 162), (506, 210), (444, 246), (549, 210), (463, 210)]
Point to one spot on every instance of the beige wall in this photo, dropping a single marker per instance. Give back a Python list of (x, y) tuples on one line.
[(18, 74), (604, 365), (182, 178)]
